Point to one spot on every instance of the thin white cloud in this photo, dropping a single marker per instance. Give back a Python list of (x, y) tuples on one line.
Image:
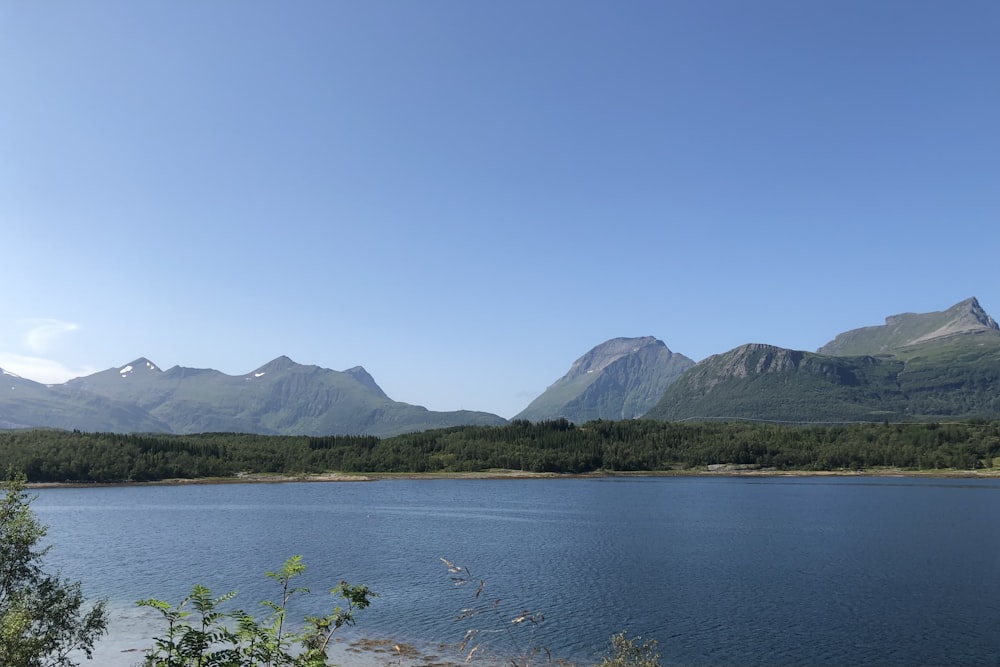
[(46, 371), (42, 332)]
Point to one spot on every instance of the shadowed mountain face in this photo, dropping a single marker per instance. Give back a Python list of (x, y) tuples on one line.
[(916, 366), (619, 379), (279, 398)]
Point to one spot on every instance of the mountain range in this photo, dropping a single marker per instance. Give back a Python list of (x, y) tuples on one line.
[(941, 365), (279, 398), (926, 366)]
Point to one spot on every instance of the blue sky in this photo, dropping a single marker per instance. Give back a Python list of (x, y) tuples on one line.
[(464, 197)]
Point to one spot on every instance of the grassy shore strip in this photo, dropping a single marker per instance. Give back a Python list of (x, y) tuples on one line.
[(708, 471)]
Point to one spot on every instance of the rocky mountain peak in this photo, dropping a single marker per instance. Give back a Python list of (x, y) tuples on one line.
[(619, 379), (364, 377), (757, 358), (908, 329), (141, 365), (964, 317), (277, 365), (609, 352), (970, 313)]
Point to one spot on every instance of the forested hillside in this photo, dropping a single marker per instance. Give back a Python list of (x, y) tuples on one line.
[(944, 380), (555, 446)]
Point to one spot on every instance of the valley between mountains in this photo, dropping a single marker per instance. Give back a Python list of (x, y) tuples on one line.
[(935, 366)]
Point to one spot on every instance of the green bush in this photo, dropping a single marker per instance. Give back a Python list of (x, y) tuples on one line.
[(627, 652), (200, 634)]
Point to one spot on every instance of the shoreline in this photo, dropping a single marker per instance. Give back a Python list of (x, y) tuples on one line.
[(714, 470)]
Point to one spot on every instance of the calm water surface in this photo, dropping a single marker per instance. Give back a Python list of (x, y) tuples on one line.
[(721, 571)]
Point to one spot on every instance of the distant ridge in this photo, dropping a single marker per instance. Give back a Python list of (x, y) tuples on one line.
[(281, 397)]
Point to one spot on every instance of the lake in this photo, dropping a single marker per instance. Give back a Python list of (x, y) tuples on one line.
[(720, 570)]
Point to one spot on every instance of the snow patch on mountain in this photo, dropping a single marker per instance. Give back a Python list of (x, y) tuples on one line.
[(137, 365)]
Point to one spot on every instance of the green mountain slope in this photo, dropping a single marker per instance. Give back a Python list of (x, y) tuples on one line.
[(909, 329), (28, 404), (279, 398), (771, 383), (943, 365), (619, 379)]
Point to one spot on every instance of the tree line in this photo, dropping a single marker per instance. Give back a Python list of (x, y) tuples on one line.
[(556, 446)]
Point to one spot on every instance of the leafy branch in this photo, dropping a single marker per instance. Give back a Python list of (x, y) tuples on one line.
[(238, 639)]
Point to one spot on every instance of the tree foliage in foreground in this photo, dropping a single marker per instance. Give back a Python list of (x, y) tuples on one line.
[(42, 618), (201, 634), (556, 446)]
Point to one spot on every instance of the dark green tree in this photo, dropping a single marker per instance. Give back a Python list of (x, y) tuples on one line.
[(42, 617)]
